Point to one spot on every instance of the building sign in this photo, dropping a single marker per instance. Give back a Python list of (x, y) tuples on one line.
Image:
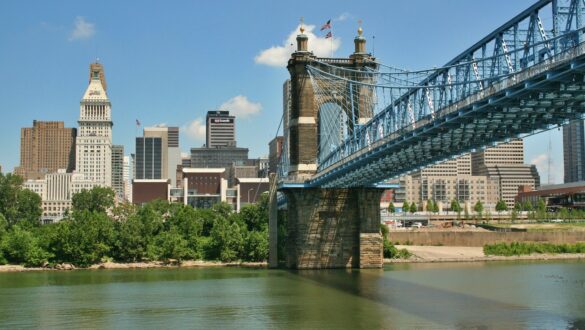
[(94, 92), (221, 120)]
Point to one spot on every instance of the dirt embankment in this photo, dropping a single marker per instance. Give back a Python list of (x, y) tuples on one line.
[(137, 265), (467, 254)]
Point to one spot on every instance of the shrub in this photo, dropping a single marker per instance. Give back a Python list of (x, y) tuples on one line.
[(19, 246)]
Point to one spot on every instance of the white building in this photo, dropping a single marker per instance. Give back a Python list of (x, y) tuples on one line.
[(56, 191), (94, 140), (127, 178)]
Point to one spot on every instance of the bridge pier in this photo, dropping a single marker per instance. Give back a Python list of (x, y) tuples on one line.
[(333, 228)]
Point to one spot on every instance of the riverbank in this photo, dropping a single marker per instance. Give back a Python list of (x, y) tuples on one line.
[(137, 265), (468, 254)]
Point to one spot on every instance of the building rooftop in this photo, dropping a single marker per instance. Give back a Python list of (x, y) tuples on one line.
[(203, 170)]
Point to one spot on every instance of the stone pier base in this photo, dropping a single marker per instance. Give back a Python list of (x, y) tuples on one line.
[(334, 228)]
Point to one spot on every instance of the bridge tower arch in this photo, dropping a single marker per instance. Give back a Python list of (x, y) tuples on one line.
[(305, 105)]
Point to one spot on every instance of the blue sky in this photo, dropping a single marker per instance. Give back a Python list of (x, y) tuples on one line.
[(170, 62)]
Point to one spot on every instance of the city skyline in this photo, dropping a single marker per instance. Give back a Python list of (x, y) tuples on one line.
[(193, 69)]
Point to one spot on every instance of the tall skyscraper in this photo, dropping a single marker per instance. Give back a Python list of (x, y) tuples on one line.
[(94, 142), (170, 152), (148, 158), (45, 148), (220, 129), (574, 151), (118, 170)]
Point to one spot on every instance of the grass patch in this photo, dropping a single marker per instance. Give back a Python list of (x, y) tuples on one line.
[(521, 248)]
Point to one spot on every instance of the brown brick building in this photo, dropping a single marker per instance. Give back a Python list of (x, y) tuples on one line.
[(45, 148)]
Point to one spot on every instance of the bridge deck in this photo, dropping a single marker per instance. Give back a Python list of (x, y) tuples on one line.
[(535, 99)]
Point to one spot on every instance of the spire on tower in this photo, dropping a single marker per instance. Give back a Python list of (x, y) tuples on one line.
[(96, 70)]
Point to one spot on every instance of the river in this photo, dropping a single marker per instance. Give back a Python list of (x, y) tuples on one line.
[(540, 295)]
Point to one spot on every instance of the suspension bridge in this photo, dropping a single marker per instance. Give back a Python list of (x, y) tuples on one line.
[(355, 123)]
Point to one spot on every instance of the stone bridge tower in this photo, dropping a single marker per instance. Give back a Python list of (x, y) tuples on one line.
[(304, 112), (327, 228)]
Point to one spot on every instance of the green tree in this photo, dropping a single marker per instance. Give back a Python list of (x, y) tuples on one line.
[(478, 207), (18, 205), (29, 207), (501, 206), (97, 199), (226, 241), (430, 206), (456, 207), (518, 206), (413, 207), (168, 245), (541, 208), (405, 207), (255, 216), (86, 239), (10, 185), (256, 246), (130, 245), (391, 208), (527, 206), (435, 207), (20, 246)]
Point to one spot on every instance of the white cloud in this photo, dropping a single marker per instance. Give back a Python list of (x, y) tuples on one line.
[(161, 125), (342, 17), (241, 107), (82, 30), (195, 129), (278, 55), (541, 162), (184, 154)]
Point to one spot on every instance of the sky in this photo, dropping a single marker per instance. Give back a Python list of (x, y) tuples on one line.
[(168, 63)]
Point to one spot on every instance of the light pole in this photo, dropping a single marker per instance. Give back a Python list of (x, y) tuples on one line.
[(249, 194)]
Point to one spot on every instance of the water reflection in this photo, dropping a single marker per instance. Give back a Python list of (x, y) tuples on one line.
[(478, 295)]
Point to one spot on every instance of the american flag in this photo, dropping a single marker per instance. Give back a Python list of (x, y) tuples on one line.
[(329, 35), (326, 25), (137, 122)]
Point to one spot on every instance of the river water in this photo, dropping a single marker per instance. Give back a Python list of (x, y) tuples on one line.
[(506, 295)]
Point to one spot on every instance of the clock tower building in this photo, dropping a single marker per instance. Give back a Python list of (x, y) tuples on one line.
[(94, 139)]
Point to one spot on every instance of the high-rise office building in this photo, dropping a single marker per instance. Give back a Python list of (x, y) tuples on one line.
[(447, 181), (118, 170), (45, 148), (216, 158), (170, 152), (127, 177), (220, 129), (505, 163), (574, 151), (274, 152), (94, 142), (148, 158)]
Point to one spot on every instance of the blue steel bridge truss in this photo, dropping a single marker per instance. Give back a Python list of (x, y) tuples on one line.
[(525, 77)]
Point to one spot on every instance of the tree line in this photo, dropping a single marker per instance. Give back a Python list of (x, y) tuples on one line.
[(540, 211), (95, 230)]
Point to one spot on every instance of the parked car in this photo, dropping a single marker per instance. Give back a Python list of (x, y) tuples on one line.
[(417, 224)]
